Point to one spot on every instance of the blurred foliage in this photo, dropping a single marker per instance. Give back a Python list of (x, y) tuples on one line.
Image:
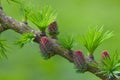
[(16, 1), (3, 48), (75, 16)]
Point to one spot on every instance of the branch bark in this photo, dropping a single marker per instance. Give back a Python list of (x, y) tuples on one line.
[(21, 27)]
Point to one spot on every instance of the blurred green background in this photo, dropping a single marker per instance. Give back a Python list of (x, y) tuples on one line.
[(74, 17)]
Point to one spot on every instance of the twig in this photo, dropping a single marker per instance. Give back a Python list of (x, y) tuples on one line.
[(21, 27)]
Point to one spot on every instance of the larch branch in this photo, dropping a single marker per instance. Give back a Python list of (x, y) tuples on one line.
[(21, 27)]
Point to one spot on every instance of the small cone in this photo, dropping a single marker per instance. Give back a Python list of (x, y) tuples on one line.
[(53, 28), (79, 59), (105, 54), (45, 45)]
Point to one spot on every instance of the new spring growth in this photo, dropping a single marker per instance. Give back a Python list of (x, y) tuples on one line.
[(45, 47), (53, 29), (79, 60), (110, 65), (42, 18), (105, 54), (94, 38)]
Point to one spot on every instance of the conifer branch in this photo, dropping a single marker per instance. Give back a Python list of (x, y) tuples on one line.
[(21, 27)]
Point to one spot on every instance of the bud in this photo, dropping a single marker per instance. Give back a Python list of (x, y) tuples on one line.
[(105, 54), (79, 60), (53, 28), (45, 45)]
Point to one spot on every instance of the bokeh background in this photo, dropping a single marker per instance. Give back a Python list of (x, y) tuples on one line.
[(74, 17)]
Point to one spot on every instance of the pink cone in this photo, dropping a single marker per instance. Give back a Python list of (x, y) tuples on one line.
[(79, 59), (105, 54), (53, 28), (45, 45)]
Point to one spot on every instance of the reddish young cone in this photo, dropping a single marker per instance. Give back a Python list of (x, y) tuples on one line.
[(45, 45), (79, 59), (105, 54), (53, 28)]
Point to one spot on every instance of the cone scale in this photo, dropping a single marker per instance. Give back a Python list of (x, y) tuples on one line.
[(53, 29), (105, 54), (45, 46), (79, 60)]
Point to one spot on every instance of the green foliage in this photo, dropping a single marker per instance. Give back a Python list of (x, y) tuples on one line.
[(111, 66), (25, 38), (42, 18), (25, 8), (66, 42), (94, 37), (16, 1), (3, 48)]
